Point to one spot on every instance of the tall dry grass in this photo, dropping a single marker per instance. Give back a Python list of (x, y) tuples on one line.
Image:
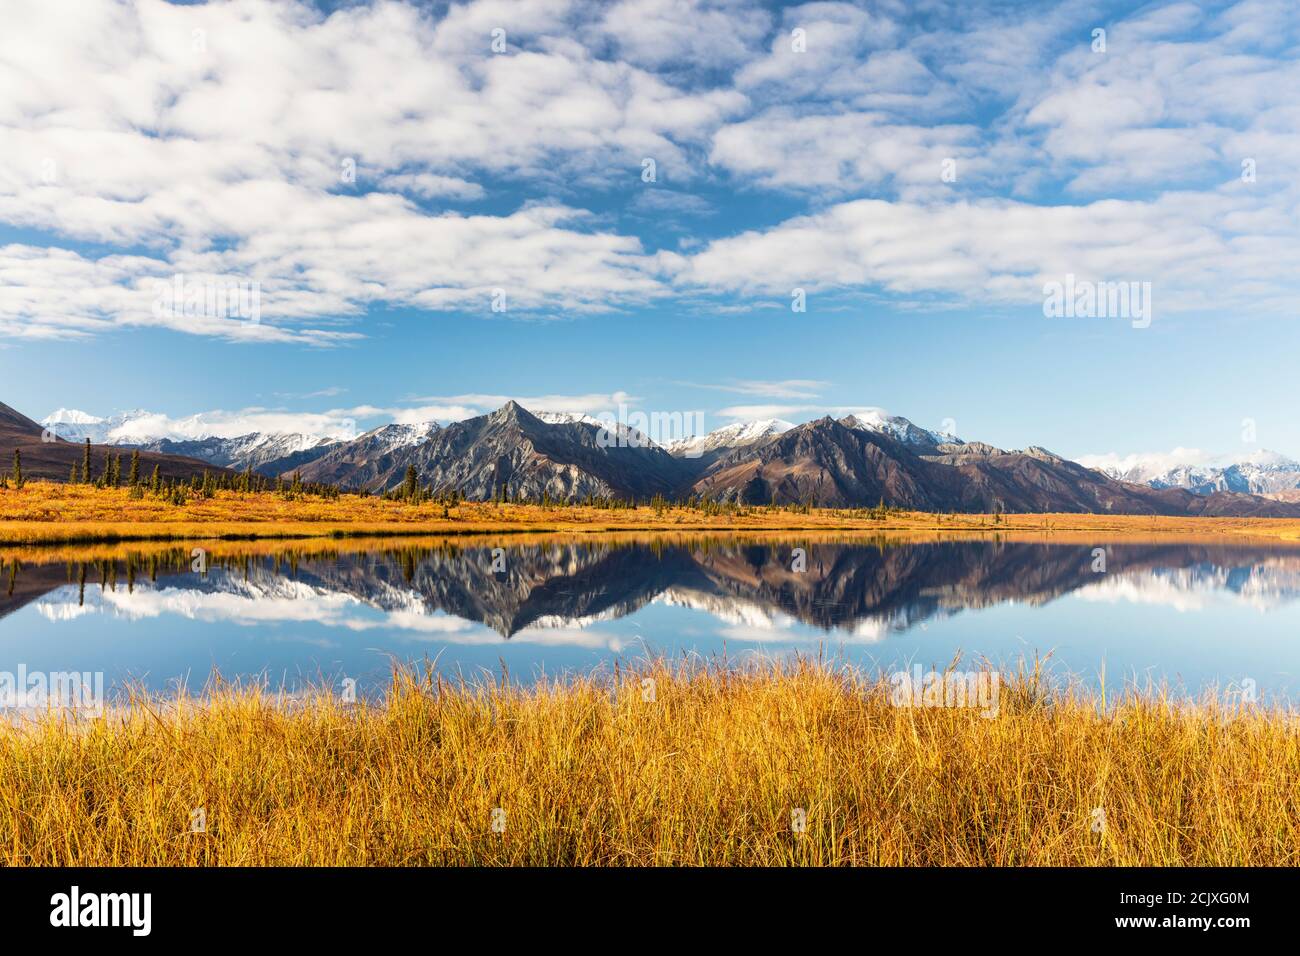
[(708, 772)]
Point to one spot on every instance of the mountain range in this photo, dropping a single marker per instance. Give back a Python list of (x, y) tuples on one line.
[(45, 455), (854, 461), (1258, 473), (268, 453)]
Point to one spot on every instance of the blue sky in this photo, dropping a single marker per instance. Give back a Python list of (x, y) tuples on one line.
[(919, 171)]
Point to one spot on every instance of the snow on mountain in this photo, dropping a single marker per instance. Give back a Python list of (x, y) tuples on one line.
[(880, 421), (388, 438), (623, 429), (72, 416), (1260, 472), (735, 435), (141, 427), (273, 446), (223, 440), (566, 418), (75, 425)]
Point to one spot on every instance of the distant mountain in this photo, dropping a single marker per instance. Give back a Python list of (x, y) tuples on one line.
[(269, 453), (511, 449), (707, 448), (844, 464), (47, 456), (134, 427), (266, 454), (1259, 473), (75, 425)]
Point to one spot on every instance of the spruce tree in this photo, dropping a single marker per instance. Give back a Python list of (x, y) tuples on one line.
[(133, 478), (85, 463), (18, 468)]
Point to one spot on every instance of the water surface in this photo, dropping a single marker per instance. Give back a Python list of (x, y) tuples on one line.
[(1194, 615)]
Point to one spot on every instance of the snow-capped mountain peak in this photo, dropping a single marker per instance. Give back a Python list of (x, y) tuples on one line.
[(735, 435), (1259, 472), (141, 427), (570, 418), (880, 421), (223, 440), (388, 438), (71, 416), (75, 425)]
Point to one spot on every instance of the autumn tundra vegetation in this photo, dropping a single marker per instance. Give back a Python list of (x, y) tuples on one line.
[(798, 763), (246, 505)]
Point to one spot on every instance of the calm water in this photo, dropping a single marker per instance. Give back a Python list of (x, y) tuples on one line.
[(1194, 615)]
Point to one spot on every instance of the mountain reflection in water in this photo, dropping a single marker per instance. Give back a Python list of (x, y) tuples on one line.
[(300, 609)]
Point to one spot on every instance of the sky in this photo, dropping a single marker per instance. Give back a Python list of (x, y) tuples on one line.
[(742, 209)]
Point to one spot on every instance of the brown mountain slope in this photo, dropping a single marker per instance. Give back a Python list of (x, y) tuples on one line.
[(835, 465)]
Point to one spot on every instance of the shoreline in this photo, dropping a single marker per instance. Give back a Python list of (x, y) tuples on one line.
[(47, 513)]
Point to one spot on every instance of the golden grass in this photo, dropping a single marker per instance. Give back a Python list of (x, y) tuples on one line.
[(45, 512), (708, 772)]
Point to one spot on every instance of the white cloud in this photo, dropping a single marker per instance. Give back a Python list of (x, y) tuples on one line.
[(842, 152), (762, 412), (786, 388), (1176, 99), (701, 34), (219, 423), (58, 293), (1004, 251), (1152, 462), (143, 139), (431, 186), (269, 108), (432, 413), (832, 36)]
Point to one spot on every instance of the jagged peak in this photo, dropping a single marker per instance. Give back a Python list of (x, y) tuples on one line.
[(512, 411)]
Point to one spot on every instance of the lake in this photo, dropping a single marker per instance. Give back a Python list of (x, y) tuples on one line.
[(1194, 615)]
